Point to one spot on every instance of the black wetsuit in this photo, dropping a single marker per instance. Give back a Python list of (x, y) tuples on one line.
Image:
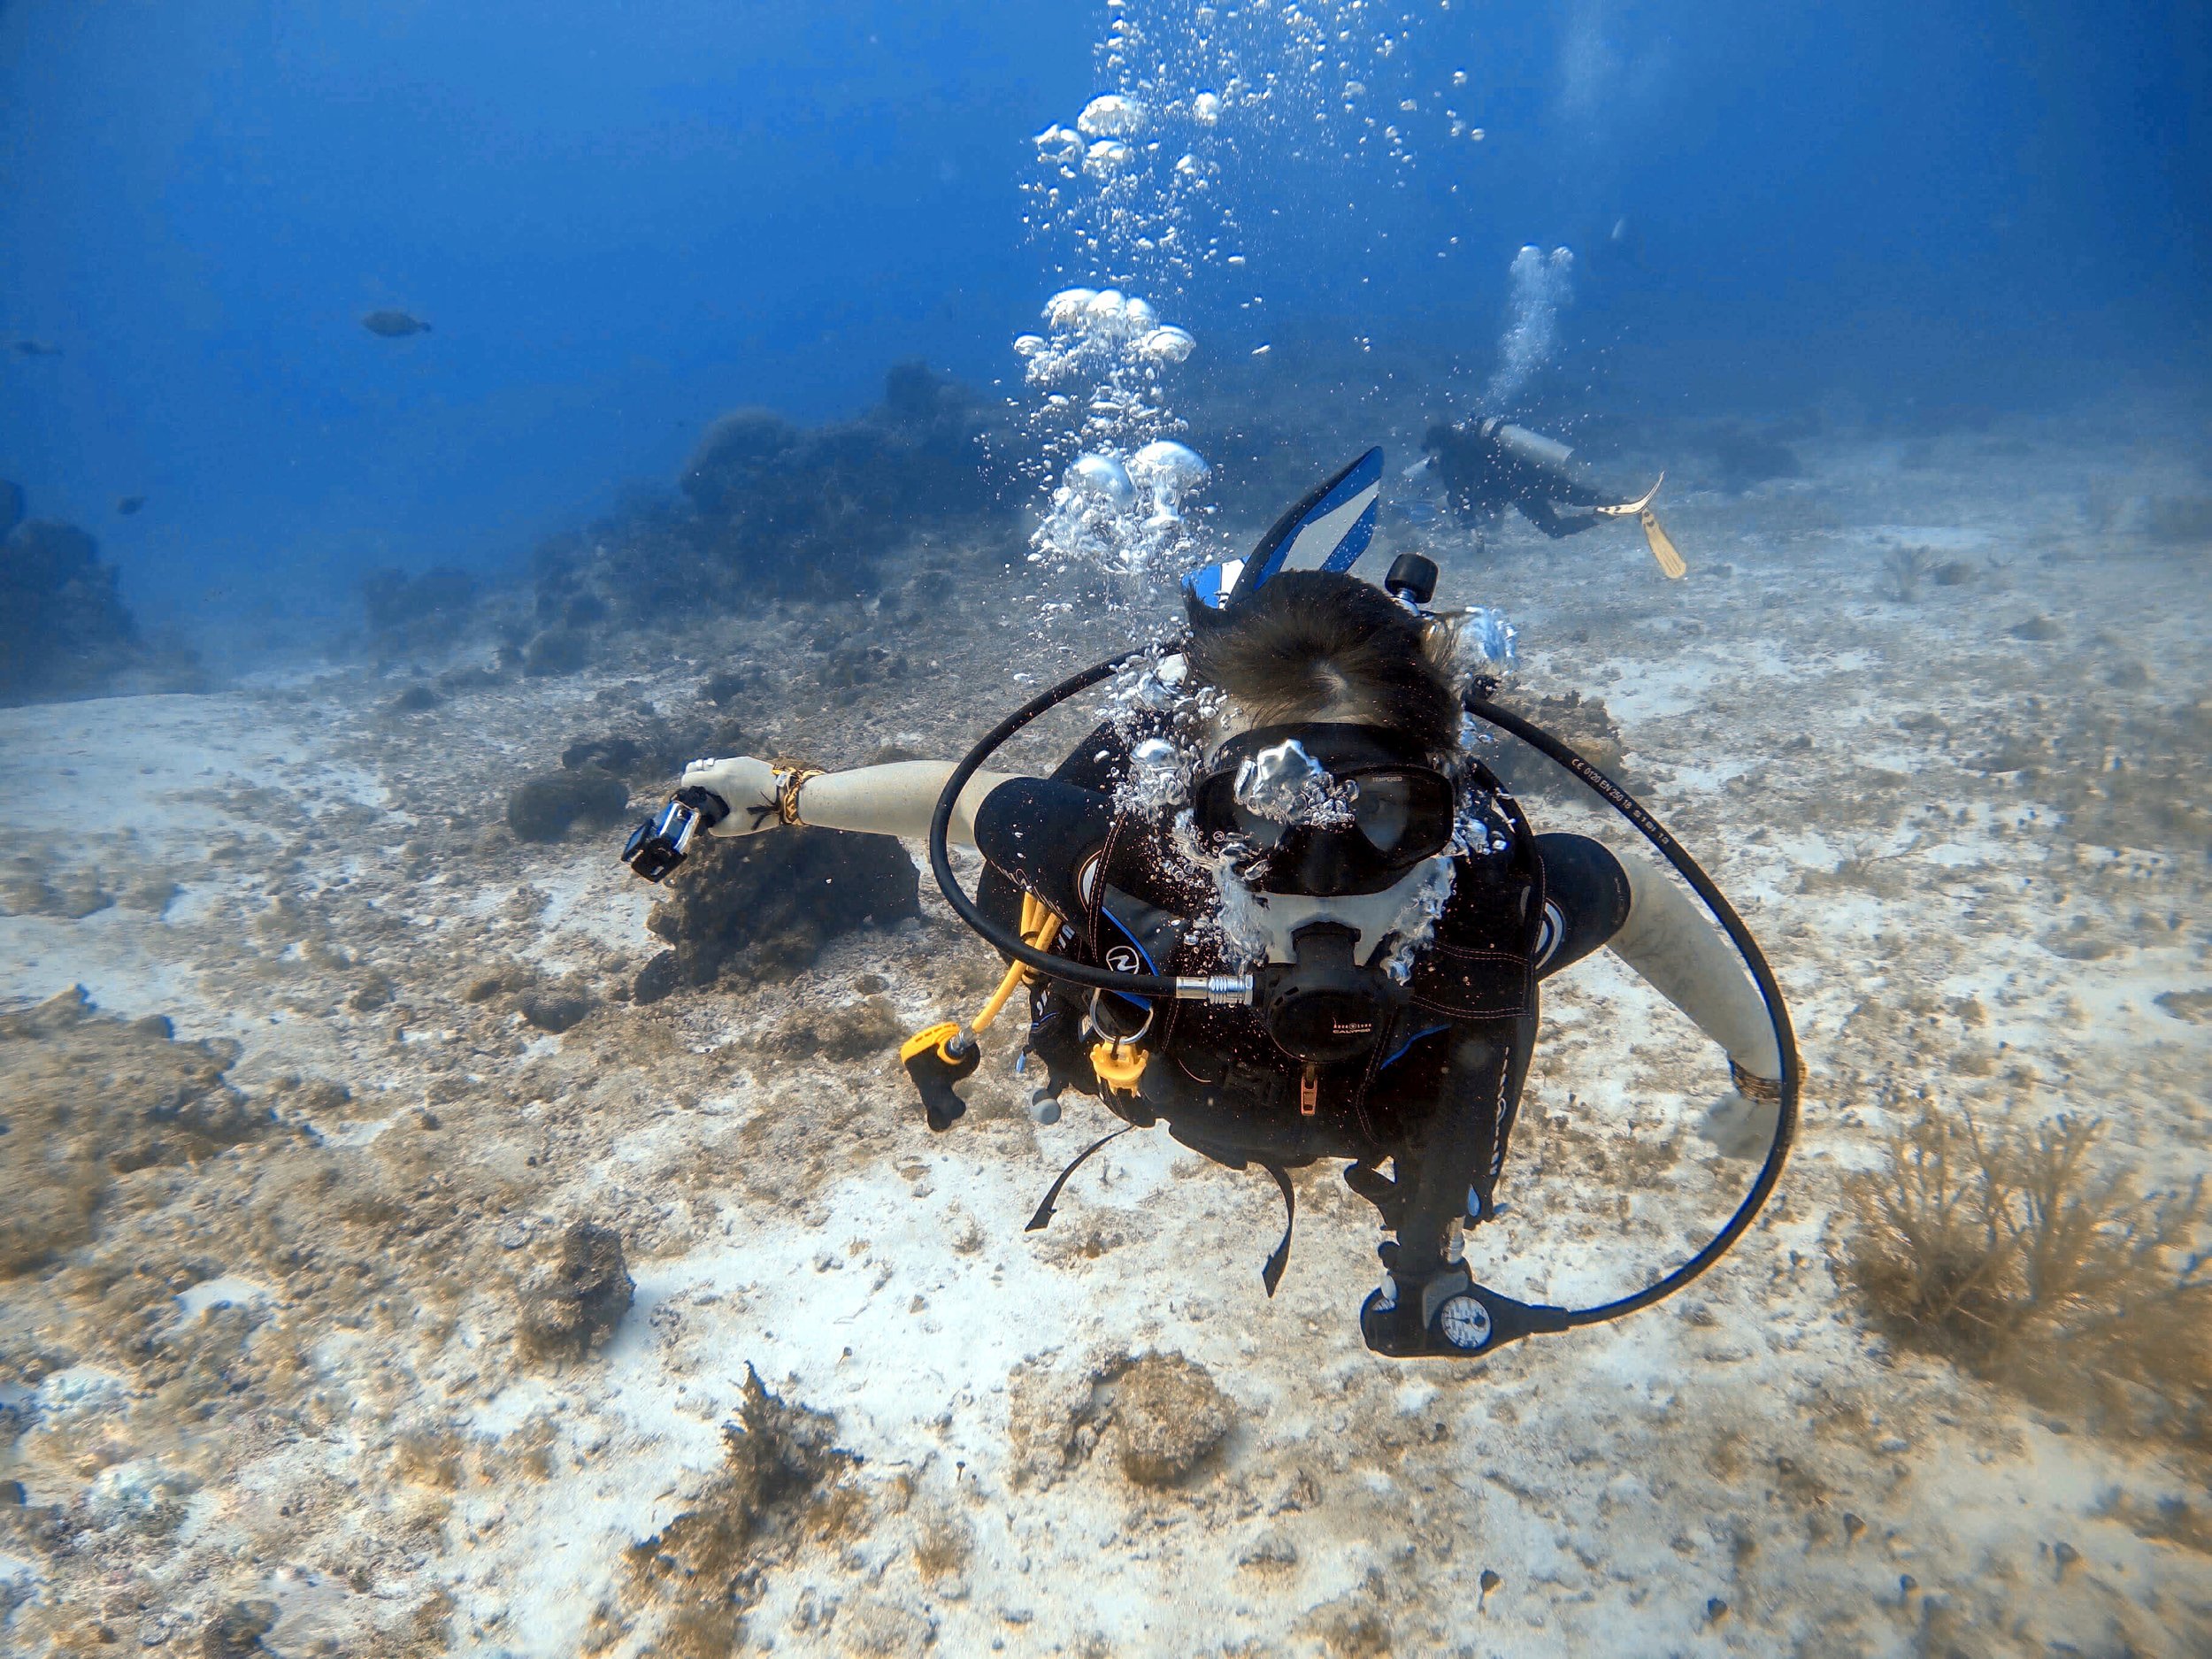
[(1437, 1096), (1483, 476)]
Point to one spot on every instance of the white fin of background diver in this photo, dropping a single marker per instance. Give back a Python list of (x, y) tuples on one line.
[(1328, 529)]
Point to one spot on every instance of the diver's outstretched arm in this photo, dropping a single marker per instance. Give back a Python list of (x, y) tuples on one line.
[(897, 799), (1679, 951)]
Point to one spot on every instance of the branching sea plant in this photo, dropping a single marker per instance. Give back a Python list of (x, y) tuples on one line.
[(1908, 567), (2025, 1257)]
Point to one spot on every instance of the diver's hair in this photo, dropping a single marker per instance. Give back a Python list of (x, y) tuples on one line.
[(1314, 645)]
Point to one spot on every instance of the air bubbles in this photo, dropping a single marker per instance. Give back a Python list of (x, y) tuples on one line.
[(1165, 463), (1066, 308), (1168, 471), (1118, 505), (1104, 477), (1106, 157), (1167, 345), (1110, 115), (1059, 144)]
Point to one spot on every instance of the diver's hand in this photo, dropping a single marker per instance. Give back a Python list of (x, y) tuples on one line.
[(747, 784)]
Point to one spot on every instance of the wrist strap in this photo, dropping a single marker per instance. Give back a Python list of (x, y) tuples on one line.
[(1751, 1085), (790, 778)]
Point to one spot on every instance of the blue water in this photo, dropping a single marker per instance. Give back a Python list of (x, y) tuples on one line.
[(623, 219)]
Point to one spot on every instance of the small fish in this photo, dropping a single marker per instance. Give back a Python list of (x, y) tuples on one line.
[(35, 348), (393, 325), (128, 504)]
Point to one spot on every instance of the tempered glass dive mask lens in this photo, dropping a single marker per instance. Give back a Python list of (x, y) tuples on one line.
[(1334, 809)]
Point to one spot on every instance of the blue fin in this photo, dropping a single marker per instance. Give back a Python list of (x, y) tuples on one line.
[(1328, 530)]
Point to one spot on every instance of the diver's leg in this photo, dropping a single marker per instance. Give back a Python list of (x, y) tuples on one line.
[(1539, 512), (1579, 490)]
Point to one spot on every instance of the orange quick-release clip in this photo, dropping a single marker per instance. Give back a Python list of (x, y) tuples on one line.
[(1118, 1065)]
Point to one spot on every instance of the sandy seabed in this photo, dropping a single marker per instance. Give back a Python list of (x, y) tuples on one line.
[(260, 1378)]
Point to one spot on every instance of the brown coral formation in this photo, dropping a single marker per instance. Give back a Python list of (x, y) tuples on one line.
[(763, 906), (1582, 724), (577, 1308), (85, 1099), (2032, 1257), (783, 1483), (1163, 1415), (1168, 1414)]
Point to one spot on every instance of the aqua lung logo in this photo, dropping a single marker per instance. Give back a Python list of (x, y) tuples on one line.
[(1122, 959), (1351, 1028)]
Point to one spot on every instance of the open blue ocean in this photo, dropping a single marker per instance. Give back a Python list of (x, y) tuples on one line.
[(430, 433)]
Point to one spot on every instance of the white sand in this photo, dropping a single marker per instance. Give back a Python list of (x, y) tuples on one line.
[(1674, 1484)]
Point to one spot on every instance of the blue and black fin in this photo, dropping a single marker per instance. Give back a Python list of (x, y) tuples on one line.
[(1328, 529)]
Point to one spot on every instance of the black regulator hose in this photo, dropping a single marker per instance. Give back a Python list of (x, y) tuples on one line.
[(1010, 943), (1761, 975)]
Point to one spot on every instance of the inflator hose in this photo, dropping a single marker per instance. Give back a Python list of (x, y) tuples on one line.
[(1012, 945)]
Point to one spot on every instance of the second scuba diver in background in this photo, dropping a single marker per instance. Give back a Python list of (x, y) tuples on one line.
[(1488, 464), (1287, 814)]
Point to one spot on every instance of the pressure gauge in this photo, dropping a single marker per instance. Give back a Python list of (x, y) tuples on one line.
[(1466, 1323)]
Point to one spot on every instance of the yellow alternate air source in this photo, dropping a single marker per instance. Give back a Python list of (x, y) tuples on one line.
[(1662, 544), (1039, 925)]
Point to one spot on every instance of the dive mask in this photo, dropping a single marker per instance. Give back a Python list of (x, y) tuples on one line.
[(1328, 810)]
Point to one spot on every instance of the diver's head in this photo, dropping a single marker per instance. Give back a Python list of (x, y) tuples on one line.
[(1324, 647), (1446, 440), (1328, 771)]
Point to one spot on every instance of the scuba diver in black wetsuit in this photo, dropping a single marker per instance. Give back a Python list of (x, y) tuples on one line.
[(1488, 464), (1278, 903)]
